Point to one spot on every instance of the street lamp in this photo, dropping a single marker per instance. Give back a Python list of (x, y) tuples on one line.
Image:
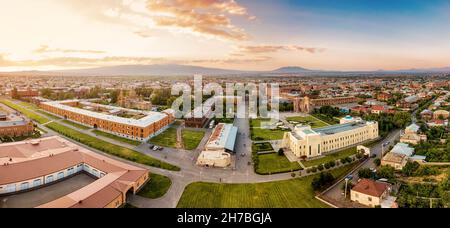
[(346, 184)]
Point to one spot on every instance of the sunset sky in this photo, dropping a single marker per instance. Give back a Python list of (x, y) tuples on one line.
[(233, 34)]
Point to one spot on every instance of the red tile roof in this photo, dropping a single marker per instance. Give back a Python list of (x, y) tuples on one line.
[(371, 188)]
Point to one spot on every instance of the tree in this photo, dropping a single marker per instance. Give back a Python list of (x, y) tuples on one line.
[(281, 152), (410, 168), (365, 173), (320, 167), (322, 181), (386, 172)]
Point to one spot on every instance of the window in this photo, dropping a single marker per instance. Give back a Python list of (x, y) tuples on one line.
[(37, 183), (50, 179), (24, 186), (370, 199), (60, 175)]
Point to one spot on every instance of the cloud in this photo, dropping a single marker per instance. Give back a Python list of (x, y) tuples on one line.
[(259, 49), (256, 59), (80, 62), (46, 49), (207, 17)]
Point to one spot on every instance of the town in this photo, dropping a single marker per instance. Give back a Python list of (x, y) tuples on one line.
[(370, 141)]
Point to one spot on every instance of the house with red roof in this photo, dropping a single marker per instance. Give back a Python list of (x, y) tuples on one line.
[(372, 193)]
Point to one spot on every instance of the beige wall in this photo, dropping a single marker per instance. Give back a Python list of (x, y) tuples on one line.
[(367, 200), (317, 145)]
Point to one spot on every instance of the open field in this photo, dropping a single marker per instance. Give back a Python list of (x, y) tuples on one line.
[(330, 157), (259, 134), (192, 139), (294, 193), (38, 118), (309, 120), (156, 187), (116, 138), (166, 139), (109, 148), (274, 163)]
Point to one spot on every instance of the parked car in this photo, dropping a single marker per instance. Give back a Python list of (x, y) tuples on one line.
[(155, 148), (349, 177), (160, 148)]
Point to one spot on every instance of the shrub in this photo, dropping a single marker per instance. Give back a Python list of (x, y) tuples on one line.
[(322, 181), (320, 167), (314, 169), (327, 165), (293, 175)]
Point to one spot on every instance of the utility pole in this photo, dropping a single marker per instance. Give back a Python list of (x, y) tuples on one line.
[(346, 184)]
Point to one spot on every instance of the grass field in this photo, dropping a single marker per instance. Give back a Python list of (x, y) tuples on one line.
[(156, 187), (166, 139), (331, 157), (73, 124), (274, 163), (259, 134), (30, 114), (48, 115), (192, 139), (309, 120), (109, 148), (294, 193), (117, 138)]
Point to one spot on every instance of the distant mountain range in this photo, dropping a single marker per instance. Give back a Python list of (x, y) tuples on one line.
[(183, 70)]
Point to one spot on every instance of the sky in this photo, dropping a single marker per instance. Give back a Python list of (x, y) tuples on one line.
[(230, 34)]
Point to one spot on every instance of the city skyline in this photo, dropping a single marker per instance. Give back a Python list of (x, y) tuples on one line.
[(243, 35)]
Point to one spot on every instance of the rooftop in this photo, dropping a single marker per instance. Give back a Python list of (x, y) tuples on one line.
[(150, 118), (371, 187), (224, 136), (32, 159), (403, 148)]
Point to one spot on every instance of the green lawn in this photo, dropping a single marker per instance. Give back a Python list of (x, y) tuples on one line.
[(331, 157), (192, 139), (28, 105), (30, 114), (156, 187), (116, 138), (109, 148), (77, 125), (48, 115), (309, 120), (294, 193), (274, 163), (166, 139), (259, 134)]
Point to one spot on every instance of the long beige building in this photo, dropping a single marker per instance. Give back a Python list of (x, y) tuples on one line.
[(305, 141), (142, 126), (29, 165)]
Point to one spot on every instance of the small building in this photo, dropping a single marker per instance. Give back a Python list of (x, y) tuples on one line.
[(370, 193), (426, 114), (350, 119), (397, 161), (216, 159), (403, 148), (219, 147), (412, 135), (441, 115)]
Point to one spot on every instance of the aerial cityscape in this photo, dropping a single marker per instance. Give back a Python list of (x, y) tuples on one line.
[(224, 104)]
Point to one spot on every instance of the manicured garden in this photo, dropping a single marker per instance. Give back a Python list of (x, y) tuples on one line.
[(294, 193), (331, 157), (156, 187), (109, 148), (30, 114), (116, 138), (192, 139), (261, 134), (166, 139), (308, 120)]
